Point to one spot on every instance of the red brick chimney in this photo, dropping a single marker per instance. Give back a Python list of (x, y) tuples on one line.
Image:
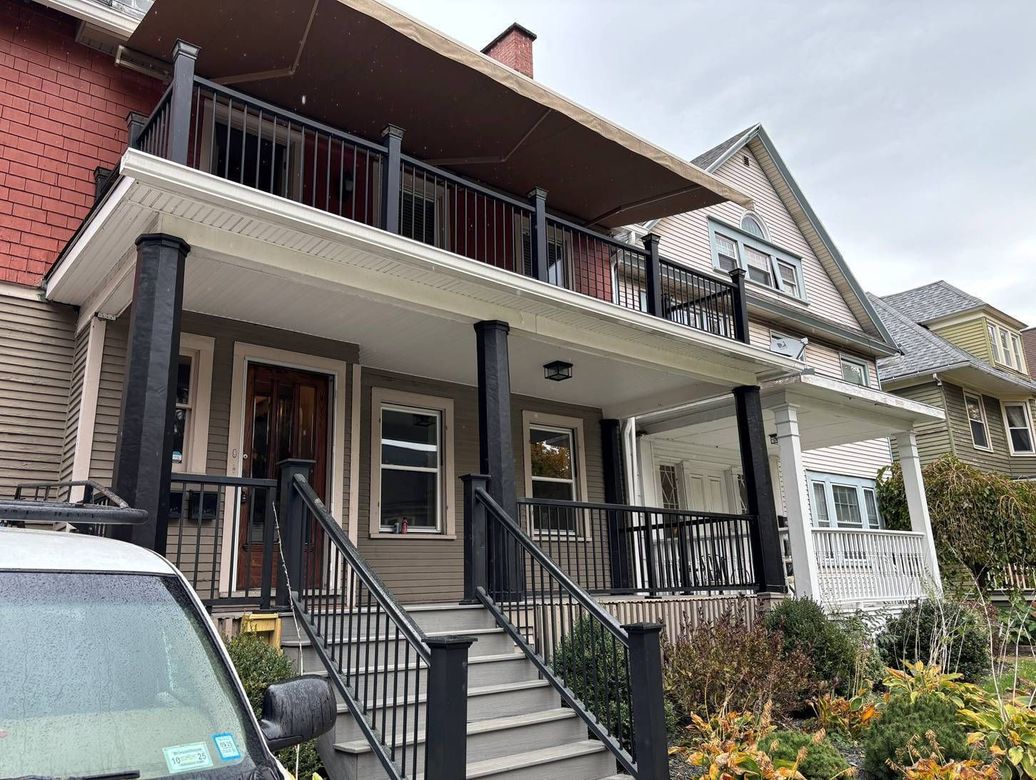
[(513, 47)]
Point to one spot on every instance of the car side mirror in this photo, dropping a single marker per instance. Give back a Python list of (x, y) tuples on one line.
[(297, 710)]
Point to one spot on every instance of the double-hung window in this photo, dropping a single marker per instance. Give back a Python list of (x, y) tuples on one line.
[(1018, 420), (977, 420), (844, 502), (764, 264), (554, 472)]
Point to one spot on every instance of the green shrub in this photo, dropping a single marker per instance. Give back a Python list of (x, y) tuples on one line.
[(953, 636), (903, 720), (259, 665), (724, 665), (803, 626), (822, 761)]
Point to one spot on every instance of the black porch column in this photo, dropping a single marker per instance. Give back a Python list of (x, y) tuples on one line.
[(766, 541), (614, 463), (143, 454), (495, 446)]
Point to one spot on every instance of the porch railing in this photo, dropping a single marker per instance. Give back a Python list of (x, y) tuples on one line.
[(221, 131), (869, 565), (609, 674), (618, 549)]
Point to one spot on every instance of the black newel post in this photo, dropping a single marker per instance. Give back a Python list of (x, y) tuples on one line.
[(740, 310), (653, 276), (538, 234), (614, 463), (649, 729), (476, 539), (446, 738), (134, 125), (143, 455), (392, 178), (766, 541), (185, 56), (291, 520)]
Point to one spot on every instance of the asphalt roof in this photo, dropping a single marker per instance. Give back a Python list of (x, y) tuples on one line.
[(934, 300), (705, 159)]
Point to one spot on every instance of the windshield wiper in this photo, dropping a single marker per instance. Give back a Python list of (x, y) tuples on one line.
[(127, 774)]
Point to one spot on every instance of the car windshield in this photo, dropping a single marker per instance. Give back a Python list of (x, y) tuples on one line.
[(115, 673)]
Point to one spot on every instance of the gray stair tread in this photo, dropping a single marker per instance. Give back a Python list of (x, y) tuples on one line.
[(478, 659), (480, 727), (530, 758), (482, 690), (475, 632)]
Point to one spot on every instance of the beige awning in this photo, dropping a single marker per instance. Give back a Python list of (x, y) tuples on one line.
[(360, 65)]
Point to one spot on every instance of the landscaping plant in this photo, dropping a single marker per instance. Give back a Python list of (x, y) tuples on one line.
[(804, 627), (932, 764), (1007, 729), (815, 756), (953, 636), (847, 717)]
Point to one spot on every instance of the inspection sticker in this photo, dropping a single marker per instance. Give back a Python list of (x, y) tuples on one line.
[(226, 746), (184, 758)]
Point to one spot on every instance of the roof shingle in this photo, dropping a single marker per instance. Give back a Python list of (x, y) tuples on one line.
[(934, 300)]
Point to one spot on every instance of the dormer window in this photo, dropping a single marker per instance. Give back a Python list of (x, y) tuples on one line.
[(751, 224), (1006, 346), (764, 264)]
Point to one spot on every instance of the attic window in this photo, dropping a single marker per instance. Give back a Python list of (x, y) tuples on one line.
[(750, 223), (745, 159)]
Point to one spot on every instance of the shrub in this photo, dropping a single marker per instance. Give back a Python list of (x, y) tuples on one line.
[(726, 665), (259, 665), (904, 719), (930, 763), (951, 636), (820, 761), (848, 718), (804, 627)]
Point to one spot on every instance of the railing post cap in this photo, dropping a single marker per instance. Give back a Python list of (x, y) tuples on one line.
[(135, 116), (165, 239), (451, 642), (500, 325), (737, 274), (537, 192), (643, 628), (295, 462), (184, 49), (392, 131), (475, 478), (650, 238)]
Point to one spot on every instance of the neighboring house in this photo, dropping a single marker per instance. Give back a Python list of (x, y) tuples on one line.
[(1029, 348), (963, 356), (828, 428)]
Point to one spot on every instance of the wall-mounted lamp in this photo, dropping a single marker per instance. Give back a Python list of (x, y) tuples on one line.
[(773, 438), (557, 371)]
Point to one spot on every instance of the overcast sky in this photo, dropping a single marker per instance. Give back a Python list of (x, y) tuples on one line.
[(908, 125)]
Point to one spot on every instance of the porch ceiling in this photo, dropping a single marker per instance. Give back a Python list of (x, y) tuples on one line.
[(409, 306), (352, 64)]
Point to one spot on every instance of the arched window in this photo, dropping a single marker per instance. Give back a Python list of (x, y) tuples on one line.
[(751, 224)]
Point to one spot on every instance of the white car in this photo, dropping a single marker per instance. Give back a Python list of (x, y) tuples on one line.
[(110, 669)]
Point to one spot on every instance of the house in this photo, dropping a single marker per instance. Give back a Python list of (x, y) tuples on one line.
[(1029, 349), (963, 356), (828, 428), (339, 308)]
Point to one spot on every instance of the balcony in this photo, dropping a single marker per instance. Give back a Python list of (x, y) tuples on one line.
[(229, 134)]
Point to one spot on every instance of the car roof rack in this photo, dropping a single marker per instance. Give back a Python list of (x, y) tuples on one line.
[(79, 503)]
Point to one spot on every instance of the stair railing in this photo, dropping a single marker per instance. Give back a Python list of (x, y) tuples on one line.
[(610, 674), (378, 658)]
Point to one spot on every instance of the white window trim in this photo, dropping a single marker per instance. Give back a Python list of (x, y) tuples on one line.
[(1028, 421), (531, 419), (384, 396), (1014, 356), (843, 358), (829, 481), (759, 221), (200, 350), (985, 423), (776, 253)]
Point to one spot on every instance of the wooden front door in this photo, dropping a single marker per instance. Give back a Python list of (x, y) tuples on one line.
[(286, 416)]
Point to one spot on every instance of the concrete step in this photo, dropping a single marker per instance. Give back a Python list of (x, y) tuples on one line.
[(487, 739), (585, 759), (488, 701), (450, 618)]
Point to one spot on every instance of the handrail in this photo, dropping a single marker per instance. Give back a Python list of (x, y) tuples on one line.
[(603, 237), (470, 184), (631, 508)]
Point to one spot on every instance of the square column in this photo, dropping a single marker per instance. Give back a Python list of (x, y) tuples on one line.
[(796, 498), (766, 538), (917, 501), (495, 447), (143, 454)]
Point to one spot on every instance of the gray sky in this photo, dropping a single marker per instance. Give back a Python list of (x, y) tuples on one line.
[(908, 125)]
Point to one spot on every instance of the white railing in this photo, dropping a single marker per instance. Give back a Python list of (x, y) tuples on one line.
[(867, 566)]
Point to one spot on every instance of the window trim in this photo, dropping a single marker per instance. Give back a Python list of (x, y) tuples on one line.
[(532, 419), (758, 220), (742, 240), (829, 482), (985, 421), (200, 350), (852, 360), (1028, 421), (1011, 355), (385, 396)]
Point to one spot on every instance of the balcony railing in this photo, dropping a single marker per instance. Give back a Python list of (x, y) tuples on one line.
[(227, 133), (859, 565)]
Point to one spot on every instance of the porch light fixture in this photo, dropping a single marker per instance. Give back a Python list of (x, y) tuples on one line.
[(557, 371), (773, 438)]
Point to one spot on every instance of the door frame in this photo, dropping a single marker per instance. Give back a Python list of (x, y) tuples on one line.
[(338, 371)]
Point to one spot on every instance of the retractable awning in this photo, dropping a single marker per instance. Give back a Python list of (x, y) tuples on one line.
[(360, 65)]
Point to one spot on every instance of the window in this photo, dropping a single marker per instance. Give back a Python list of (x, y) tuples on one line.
[(1019, 428), (977, 419), (1016, 348), (669, 481), (191, 411), (557, 259), (750, 223), (182, 413), (554, 470), (242, 157), (844, 502), (764, 263), (417, 216), (854, 371), (1006, 346), (411, 457)]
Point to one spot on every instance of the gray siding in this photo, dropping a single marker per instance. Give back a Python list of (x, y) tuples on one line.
[(109, 401), (933, 439), (75, 398), (1000, 459), (37, 341)]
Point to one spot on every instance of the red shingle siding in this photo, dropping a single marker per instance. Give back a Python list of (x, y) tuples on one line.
[(63, 111)]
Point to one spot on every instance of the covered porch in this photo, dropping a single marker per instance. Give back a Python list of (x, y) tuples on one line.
[(826, 441)]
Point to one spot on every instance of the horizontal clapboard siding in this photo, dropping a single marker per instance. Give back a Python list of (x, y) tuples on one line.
[(109, 401), (75, 398), (823, 358), (971, 336), (1000, 459), (37, 348), (858, 459), (933, 439)]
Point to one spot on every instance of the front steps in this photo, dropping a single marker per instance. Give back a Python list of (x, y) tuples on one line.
[(517, 726)]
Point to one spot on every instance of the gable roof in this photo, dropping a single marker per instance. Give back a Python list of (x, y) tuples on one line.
[(808, 223), (941, 299), (923, 352)]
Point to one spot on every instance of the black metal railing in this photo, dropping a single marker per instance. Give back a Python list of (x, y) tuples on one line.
[(617, 549), (380, 660), (83, 506), (610, 674), (227, 133)]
